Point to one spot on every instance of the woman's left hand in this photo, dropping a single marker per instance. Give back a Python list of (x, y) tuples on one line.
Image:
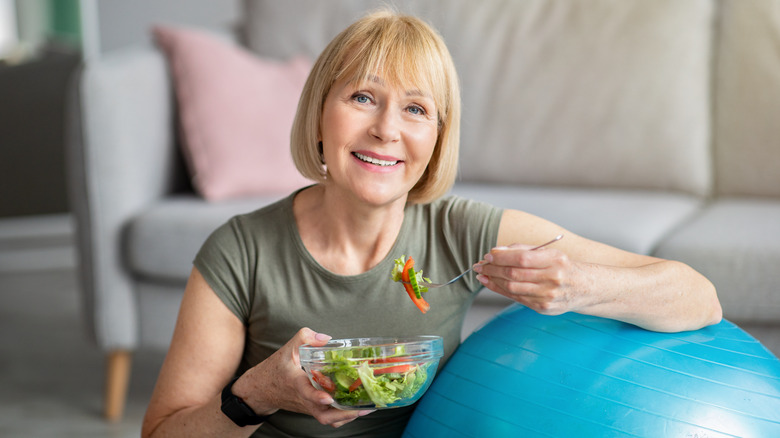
[(542, 280)]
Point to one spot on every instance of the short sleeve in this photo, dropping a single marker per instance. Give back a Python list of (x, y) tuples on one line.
[(223, 262), (470, 230)]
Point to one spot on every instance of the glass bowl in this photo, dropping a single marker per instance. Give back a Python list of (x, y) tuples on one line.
[(373, 373)]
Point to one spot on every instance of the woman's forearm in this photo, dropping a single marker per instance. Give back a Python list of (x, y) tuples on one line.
[(665, 296), (198, 421)]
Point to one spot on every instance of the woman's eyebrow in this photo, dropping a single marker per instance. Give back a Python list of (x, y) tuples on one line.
[(414, 92), (376, 79)]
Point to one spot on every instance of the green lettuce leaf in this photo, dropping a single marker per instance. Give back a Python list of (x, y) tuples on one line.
[(377, 388)]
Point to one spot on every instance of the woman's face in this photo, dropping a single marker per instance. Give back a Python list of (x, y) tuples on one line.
[(377, 139)]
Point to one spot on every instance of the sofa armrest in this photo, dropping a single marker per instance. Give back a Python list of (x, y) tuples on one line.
[(121, 158)]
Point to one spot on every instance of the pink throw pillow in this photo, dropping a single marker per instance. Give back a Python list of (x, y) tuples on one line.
[(235, 113)]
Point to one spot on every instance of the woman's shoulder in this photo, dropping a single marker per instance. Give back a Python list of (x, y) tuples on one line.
[(269, 213), (455, 205), (454, 214)]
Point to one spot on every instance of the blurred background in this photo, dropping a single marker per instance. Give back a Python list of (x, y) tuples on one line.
[(48, 366), (50, 372), (41, 44)]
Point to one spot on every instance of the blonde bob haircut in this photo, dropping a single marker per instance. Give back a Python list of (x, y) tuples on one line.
[(405, 52)]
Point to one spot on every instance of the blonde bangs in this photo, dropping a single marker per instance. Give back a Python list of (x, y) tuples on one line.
[(402, 55)]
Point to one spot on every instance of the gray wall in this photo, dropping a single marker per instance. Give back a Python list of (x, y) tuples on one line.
[(32, 95), (122, 23)]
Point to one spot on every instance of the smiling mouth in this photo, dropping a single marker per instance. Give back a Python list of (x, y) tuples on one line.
[(374, 161)]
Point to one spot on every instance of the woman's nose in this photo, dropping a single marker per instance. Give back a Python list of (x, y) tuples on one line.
[(386, 126)]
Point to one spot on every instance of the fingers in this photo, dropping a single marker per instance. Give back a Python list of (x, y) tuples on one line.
[(304, 386), (308, 392), (355, 414), (309, 336), (303, 337), (337, 418), (518, 264), (522, 256), (537, 279), (521, 274), (319, 407), (279, 382), (317, 402), (543, 300)]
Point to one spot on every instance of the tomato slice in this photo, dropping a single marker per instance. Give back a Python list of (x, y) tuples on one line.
[(407, 266), (419, 302), (394, 369), (323, 380), (355, 385), (389, 359)]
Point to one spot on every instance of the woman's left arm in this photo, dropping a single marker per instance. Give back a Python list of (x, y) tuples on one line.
[(583, 276)]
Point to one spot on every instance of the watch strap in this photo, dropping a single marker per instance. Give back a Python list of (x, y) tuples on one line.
[(238, 411)]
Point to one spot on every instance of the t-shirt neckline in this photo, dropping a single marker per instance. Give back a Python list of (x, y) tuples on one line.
[(384, 267)]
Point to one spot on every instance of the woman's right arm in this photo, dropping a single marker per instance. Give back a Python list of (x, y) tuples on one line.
[(205, 353)]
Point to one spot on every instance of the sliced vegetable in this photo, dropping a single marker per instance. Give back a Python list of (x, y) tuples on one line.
[(355, 385), (392, 359), (343, 380), (398, 369), (359, 378), (324, 381), (382, 392), (412, 281)]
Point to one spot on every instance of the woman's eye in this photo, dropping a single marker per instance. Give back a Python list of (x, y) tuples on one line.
[(361, 98), (417, 110)]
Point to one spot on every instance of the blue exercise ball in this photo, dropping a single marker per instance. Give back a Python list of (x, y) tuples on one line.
[(525, 374)]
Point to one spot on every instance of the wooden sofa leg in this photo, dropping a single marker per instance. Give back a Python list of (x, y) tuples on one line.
[(117, 379)]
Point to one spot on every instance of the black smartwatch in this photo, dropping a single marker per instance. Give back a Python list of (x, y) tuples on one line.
[(238, 411)]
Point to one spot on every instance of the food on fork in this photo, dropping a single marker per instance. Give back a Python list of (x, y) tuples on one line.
[(413, 281)]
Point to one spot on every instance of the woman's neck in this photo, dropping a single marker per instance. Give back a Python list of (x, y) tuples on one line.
[(344, 236)]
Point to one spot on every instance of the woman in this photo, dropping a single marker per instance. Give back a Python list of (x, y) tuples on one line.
[(378, 129)]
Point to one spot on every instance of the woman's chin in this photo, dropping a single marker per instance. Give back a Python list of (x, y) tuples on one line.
[(380, 195), (378, 192)]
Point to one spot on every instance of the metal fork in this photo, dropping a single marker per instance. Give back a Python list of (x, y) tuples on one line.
[(458, 277)]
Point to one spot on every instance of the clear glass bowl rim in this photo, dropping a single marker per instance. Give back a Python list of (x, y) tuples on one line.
[(421, 347)]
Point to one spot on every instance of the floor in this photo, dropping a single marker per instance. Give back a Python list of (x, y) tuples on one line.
[(50, 374)]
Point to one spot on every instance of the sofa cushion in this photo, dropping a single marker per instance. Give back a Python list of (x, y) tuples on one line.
[(632, 220), (235, 113), (604, 93), (747, 99), (736, 244), (161, 242)]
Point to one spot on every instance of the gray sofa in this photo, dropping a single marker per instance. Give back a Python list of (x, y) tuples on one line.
[(653, 126)]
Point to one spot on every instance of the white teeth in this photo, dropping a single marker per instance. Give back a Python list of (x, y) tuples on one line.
[(374, 160)]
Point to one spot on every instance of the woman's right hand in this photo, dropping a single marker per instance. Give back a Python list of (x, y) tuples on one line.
[(279, 382)]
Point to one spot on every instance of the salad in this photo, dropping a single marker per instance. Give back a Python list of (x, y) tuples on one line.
[(413, 281), (357, 377)]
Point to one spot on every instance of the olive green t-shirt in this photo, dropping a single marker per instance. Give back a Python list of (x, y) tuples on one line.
[(258, 266)]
